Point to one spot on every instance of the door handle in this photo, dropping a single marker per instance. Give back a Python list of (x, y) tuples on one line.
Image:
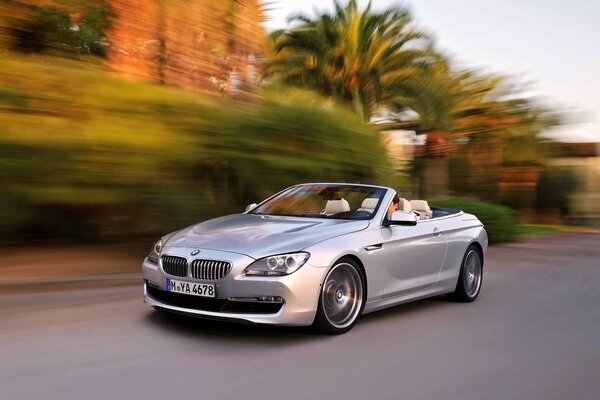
[(436, 232), (373, 247)]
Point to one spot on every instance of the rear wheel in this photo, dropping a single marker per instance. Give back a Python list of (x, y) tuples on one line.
[(470, 277), (342, 298)]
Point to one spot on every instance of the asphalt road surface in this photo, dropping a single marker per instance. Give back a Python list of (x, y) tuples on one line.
[(534, 333)]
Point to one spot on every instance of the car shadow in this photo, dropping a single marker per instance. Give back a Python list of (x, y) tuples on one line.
[(269, 335), (406, 310), (229, 331)]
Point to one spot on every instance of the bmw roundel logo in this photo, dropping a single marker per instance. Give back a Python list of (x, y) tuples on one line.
[(195, 252)]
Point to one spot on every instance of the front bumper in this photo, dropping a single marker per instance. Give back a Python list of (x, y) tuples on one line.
[(237, 295)]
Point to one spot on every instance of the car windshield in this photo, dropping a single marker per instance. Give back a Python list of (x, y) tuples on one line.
[(325, 201)]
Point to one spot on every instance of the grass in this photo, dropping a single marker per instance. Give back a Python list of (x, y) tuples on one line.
[(530, 229), (539, 229)]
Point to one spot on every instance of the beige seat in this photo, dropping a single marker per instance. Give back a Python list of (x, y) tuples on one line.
[(368, 204), (404, 205), (336, 206), (422, 207)]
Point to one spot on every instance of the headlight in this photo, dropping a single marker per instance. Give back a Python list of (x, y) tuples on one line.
[(155, 252), (282, 264), (158, 247)]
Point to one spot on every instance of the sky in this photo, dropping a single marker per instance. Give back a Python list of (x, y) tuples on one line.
[(550, 49)]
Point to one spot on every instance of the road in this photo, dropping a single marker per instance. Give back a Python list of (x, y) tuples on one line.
[(534, 333)]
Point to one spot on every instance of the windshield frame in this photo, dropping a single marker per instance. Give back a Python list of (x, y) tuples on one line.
[(384, 193)]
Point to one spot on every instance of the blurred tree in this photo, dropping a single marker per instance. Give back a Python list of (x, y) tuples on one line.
[(48, 28), (553, 190), (57, 30), (364, 58), (487, 107), (498, 133)]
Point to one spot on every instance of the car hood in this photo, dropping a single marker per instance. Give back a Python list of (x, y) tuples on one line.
[(260, 235)]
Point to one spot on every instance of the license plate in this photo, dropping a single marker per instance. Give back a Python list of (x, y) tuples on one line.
[(195, 289)]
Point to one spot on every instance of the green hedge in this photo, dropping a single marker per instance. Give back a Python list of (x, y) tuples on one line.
[(500, 222), (84, 154)]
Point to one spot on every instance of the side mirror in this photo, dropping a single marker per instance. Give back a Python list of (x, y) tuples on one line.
[(250, 207), (401, 218)]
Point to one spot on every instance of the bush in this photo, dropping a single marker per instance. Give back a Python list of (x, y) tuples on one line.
[(49, 29), (553, 190), (500, 222), (87, 155)]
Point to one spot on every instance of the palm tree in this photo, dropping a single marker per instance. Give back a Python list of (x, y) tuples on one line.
[(497, 133), (488, 107), (365, 58)]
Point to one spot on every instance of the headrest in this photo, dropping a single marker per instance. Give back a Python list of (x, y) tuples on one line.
[(404, 205), (369, 202), (420, 205), (336, 206)]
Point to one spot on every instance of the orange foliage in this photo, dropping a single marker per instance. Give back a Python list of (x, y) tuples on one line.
[(192, 44)]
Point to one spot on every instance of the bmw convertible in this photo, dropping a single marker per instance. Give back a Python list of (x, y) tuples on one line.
[(318, 254)]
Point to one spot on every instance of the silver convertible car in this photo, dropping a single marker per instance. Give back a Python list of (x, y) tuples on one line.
[(317, 254)]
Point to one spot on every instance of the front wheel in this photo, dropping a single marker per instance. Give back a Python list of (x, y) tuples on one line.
[(342, 298), (470, 277)]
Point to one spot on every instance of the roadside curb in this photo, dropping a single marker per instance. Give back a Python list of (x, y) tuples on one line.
[(586, 230)]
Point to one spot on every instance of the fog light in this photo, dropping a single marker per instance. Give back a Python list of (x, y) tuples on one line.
[(272, 299), (265, 299)]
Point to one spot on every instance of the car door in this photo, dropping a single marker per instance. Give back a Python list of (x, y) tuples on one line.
[(412, 256)]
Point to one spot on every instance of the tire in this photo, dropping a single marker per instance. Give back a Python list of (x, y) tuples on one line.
[(470, 277), (342, 298)]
